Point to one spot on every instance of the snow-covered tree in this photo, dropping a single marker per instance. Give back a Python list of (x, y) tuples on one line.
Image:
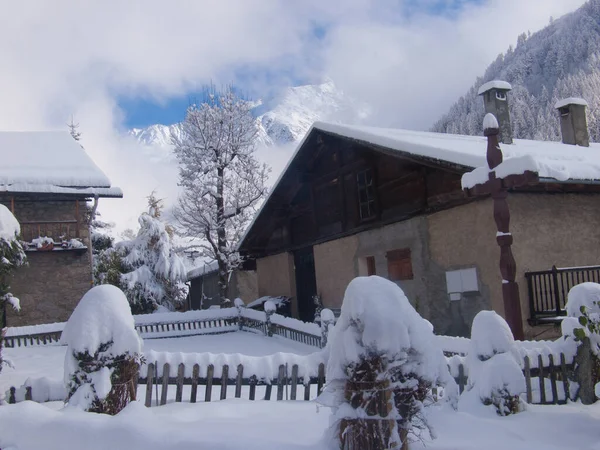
[(383, 359), (147, 268), (11, 257), (221, 178), (104, 352)]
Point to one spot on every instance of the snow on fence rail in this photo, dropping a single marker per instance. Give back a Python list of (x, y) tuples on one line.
[(163, 325)]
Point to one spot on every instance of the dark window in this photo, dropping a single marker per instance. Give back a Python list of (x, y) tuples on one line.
[(399, 265), (371, 266), (366, 194)]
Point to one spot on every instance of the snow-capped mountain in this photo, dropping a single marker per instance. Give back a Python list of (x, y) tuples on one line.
[(283, 119)]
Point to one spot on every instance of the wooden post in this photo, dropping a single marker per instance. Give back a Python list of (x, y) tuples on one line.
[(224, 380), (541, 380), (180, 376), (527, 371), (565, 377), (194, 392), (238, 382), (209, 383), (280, 380), (553, 379), (294, 381)]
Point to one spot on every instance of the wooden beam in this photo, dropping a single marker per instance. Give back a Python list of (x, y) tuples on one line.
[(77, 218)]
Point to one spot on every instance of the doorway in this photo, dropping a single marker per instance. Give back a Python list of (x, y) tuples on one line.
[(306, 283)]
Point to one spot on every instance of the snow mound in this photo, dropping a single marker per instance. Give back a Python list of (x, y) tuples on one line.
[(103, 315), (9, 226)]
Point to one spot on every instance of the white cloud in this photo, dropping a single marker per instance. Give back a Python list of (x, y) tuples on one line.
[(67, 57)]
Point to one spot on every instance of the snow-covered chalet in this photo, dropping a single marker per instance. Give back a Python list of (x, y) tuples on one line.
[(361, 201), (50, 184)]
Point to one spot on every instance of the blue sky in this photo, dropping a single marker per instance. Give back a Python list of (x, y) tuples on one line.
[(144, 110)]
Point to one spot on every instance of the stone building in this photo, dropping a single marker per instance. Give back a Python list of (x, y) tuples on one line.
[(50, 184), (362, 201)]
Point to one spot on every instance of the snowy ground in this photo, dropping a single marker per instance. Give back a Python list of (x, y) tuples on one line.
[(260, 425), (242, 424)]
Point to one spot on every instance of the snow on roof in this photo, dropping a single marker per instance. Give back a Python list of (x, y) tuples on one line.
[(204, 269), (570, 101), (551, 159), (48, 161), (494, 84)]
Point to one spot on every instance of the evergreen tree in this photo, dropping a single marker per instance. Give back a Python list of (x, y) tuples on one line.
[(147, 268), (73, 129)]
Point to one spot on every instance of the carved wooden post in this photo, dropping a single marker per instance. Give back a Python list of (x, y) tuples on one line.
[(498, 189), (508, 266)]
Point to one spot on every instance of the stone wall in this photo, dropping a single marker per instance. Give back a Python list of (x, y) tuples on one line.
[(53, 282)]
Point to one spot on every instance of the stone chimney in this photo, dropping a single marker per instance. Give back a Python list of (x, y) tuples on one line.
[(573, 124), (495, 100)]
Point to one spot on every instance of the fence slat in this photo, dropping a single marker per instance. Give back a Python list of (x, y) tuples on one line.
[(194, 392), (11, 398), (238, 382), (165, 384), (280, 380), (553, 380), (209, 382), (565, 377), (253, 382), (268, 391), (461, 378), (307, 389), (149, 383), (321, 378), (180, 375), (224, 379), (294, 381), (527, 371), (541, 380)]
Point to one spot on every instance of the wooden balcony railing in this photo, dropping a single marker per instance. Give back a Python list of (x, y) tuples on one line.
[(549, 289), (57, 230)]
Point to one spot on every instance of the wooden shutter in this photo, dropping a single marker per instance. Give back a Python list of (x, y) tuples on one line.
[(399, 265)]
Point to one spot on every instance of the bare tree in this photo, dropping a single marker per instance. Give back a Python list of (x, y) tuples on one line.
[(73, 126), (222, 180)]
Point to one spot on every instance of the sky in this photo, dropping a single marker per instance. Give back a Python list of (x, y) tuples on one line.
[(114, 65)]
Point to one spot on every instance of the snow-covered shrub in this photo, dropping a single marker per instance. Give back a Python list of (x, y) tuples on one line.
[(495, 373), (327, 322), (383, 359), (270, 309), (583, 314), (12, 256), (104, 352), (147, 268), (582, 324)]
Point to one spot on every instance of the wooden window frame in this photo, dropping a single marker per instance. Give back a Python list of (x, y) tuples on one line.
[(371, 269), (399, 264), (368, 187)]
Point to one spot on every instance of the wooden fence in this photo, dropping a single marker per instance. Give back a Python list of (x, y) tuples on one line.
[(180, 329), (285, 383)]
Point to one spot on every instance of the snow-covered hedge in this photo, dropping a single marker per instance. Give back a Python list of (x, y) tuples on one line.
[(104, 352)]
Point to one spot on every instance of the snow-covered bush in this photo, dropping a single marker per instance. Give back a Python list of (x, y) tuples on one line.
[(583, 314), (581, 325), (11, 257), (147, 268), (383, 359), (495, 373), (104, 352)]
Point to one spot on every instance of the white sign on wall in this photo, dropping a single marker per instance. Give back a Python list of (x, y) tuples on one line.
[(460, 281)]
